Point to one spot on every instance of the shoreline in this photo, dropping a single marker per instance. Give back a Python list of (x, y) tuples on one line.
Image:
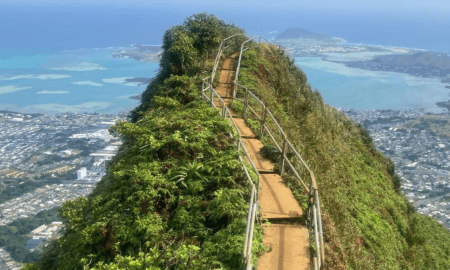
[(367, 57)]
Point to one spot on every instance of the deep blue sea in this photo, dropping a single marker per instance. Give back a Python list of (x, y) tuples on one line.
[(57, 57)]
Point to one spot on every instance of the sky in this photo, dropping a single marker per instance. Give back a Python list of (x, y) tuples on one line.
[(426, 7), (410, 23)]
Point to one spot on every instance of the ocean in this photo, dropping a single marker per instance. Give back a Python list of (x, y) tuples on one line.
[(345, 87), (56, 57), (78, 80)]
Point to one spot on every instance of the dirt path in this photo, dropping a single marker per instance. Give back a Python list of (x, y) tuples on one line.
[(288, 242)]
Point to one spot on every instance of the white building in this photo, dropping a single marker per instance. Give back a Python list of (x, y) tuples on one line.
[(81, 173)]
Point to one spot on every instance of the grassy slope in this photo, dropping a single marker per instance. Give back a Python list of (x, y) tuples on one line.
[(368, 224)]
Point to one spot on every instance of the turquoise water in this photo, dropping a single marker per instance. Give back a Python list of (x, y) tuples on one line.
[(83, 80), (91, 80), (341, 86)]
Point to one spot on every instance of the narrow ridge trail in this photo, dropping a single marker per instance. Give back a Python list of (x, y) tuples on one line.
[(286, 235)]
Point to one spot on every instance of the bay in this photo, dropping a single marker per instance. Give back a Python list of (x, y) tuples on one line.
[(346, 87)]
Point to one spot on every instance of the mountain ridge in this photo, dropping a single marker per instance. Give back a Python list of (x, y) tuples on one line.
[(174, 197)]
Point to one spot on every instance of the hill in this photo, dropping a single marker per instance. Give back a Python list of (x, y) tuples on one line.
[(298, 33), (421, 64), (175, 196)]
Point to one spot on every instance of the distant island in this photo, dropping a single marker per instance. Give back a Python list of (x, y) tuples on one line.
[(420, 64), (139, 80), (136, 97), (146, 53), (298, 33)]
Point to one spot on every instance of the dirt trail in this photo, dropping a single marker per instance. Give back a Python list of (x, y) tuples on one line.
[(288, 243)]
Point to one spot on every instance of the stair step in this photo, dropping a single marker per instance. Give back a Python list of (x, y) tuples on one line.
[(285, 236), (226, 76), (289, 248), (276, 199), (253, 147), (244, 130)]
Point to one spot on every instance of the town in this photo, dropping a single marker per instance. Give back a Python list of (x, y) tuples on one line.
[(48, 159), (419, 145)]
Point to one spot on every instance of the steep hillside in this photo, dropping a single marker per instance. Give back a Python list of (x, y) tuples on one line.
[(368, 223), (175, 195)]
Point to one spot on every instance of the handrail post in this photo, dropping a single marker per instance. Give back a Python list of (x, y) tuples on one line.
[(310, 203), (252, 226), (316, 236), (211, 96), (250, 208), (245, 104), (224, 111), (283, 156), (319, 221), (263, 121)]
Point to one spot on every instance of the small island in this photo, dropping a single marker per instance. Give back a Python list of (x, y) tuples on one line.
[(146, 53), (136, 97), (419, 64), (139, 80)]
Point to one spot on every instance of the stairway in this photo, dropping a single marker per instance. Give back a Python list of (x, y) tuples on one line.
[(285, 235)]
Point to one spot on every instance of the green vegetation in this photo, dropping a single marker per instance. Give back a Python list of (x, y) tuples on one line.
[(439, 124), (14, 236), (368, 223), (175, 196)]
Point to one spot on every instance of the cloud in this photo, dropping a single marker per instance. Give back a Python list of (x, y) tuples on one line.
[(53, 92), (32, 76), (81, 66), (126, 96), (121, 80), (51, 108), (91, 83), (11, 88)]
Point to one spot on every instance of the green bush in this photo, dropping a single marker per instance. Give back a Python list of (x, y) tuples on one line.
[(188, 49)]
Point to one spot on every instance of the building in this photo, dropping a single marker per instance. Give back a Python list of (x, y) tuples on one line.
[(81, 173)]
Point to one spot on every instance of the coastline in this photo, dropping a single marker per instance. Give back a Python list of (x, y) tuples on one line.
[(87, 80), (356, 58)]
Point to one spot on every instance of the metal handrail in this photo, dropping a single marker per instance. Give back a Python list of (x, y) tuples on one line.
[(253, 204), (219, 53), (236, 78), (314, 209), (239, 65)]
